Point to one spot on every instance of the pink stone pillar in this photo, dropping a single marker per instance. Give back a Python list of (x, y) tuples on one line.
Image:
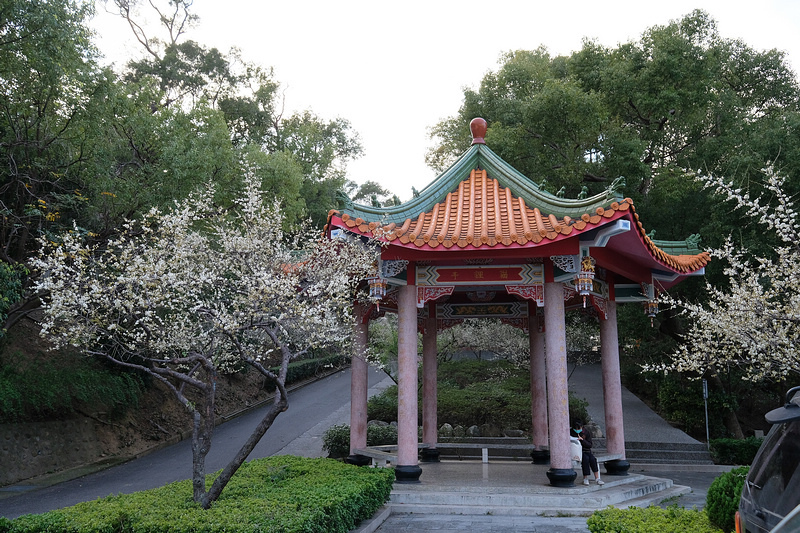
[(430, 432), (358, 388), (612, 391), (407, 468), (561, 473), (538, 385)]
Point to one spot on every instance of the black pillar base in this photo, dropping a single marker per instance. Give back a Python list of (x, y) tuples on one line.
[(429, 455), (562, 477), (617, 467), (358, 460), (540, 457), (407, 473)]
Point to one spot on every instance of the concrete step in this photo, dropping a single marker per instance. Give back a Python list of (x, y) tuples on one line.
[(516, 501), (671, 459), (669, 456), (653, 445), (664, 452), (655, 498)]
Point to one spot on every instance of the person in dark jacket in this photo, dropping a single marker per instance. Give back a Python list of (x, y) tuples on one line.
[(588, 461)]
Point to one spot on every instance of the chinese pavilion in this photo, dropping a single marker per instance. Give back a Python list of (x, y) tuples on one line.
[(482, 240)]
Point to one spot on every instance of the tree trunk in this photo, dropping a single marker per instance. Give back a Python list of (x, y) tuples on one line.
[(198, 460), (729, 416), (281, 404), (202, 433)]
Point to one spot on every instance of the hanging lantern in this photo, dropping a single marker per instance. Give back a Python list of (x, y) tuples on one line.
[(584, 277), (651, 310), (377, 287)]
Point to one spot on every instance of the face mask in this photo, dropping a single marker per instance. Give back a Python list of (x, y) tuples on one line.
[(578, 430)]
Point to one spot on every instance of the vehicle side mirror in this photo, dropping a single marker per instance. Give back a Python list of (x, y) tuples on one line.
[(789, 412)]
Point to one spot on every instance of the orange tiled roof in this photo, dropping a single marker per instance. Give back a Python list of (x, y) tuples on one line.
[(478, 213), (482, 213), (683, 263)]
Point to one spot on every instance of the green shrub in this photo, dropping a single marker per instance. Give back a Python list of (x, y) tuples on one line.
[(381, 435), (383, 406), (11, 288), (336, 440), (281, 493), (680, 401), (722, 499), (476, 393), (309, 368), (673, 519), (465, 372), (578, 408), (735, 451)]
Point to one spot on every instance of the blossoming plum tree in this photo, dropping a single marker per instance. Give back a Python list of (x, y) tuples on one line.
[(197, 291), (754, 321)]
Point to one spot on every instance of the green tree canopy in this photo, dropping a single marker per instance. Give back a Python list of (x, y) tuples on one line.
[(188, 74), (50, 86), (680, 99)]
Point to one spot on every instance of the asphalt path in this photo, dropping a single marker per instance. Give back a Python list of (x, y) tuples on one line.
[(325, 400)]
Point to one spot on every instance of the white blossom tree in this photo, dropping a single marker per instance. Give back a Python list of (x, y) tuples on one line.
[(189, 294), (753, 322)]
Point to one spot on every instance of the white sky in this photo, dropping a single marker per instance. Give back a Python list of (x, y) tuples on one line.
[(394, 69)]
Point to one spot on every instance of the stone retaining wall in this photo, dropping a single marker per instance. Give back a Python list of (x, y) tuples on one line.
[(37, 448)]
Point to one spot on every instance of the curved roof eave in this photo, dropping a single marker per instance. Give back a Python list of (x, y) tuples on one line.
[(480, 156)]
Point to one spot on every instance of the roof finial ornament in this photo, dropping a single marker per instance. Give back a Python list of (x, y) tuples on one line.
[(478, 128)]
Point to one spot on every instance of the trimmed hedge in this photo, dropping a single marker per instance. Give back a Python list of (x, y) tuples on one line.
[(735, 451), (310, 368), (336, 439), (652, 519), (722, 498), (278, 494)]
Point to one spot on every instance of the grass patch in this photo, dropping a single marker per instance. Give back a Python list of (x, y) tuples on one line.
[(278, 494)]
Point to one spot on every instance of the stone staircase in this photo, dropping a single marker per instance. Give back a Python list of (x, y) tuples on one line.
[(635, 452), (632, 490), (663, 452)]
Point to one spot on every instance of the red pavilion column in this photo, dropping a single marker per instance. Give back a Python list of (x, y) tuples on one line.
[(407, 468), (430, 431), (561, 473), (358, 387), (612, 391), (538, 391)]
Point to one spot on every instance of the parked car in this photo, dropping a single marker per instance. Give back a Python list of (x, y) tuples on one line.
[(772, 489), (790, 524)]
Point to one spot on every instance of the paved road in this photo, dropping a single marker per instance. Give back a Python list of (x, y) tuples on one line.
[(312, 409)]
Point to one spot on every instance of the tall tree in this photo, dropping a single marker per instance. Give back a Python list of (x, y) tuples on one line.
[(196, 291), (680, 99), (53, 102), (250, 100), (50, 87)]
